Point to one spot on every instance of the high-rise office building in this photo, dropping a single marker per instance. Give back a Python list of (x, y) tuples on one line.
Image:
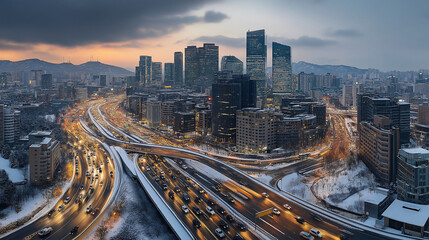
[(378, 147), (208, 63), (168, 74), (256, 58), (413, 175), (184, 122), (248, 90), (191, 65), (282, 69), (156, 74), (398, 112), (144, 71), (423, 114), (178, 68), (232, 64), (9, 125), (46, 81), (44, 159), (153, 113)]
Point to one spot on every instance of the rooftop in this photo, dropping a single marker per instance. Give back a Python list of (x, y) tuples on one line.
[(411, 213), (415, 150), (46, 140)]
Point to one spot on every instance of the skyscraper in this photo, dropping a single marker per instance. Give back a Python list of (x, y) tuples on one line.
[(46, 81), (256, 58), (156, 73), (169, 74), (282, 69), (144, 71), (232, 64), (191, 65), (178, 68)]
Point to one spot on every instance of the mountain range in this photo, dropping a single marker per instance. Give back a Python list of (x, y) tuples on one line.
[(95, 67)]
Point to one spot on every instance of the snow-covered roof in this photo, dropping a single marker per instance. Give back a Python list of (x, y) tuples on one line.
[(411, 213), (416, 150), (46, 140)]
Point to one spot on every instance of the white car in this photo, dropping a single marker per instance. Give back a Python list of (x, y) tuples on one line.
[(210, 210), (315, 233), (185, 209), (276, 211), (219, 233), (306, 235), (287, 206), (184, 166), (67, 200), (45, 231), (61, 207), (265, 195)]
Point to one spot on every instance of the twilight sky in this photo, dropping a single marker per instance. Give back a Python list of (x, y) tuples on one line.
[(383, 34)]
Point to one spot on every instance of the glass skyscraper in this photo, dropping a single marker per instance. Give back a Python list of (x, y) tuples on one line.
[(144, 71), (178, 68), (169, 74), (232, 64), (256, 58), (282, 69)]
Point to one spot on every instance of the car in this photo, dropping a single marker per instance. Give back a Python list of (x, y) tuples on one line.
[(96, 176), (241, 226), (74, 230), (196, 223), (177, 189), (157, 178), (169, 170), (147, 168), (231, 199), (91, 191), (238, 237), (223, 224), (299, 219), (101, 183), (45, 231), (287, 206), (95, 211), (88, 209), (81, 187), (219, 233), (177, 172), (171, 195), (221, 210), (164, 187), (317, 217), (276, 211), (173, 176), (316, 233), (67, 200), (230, 218), (186, 187), (185, 209), (211, 202), (90, 186), (186, 197), (306, 235), (216, 188), (200, 190), (184, 166), (111, 173), (187, 179), (196, 210), (265, 195), (210, 210), (198, 200), (61, 207), (51, 212), (161, 172), (162, 177)]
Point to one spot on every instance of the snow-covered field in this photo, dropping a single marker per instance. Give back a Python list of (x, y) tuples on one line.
[(261, 177), (139, 219), (297, 185), (206, 170), (15, 174)]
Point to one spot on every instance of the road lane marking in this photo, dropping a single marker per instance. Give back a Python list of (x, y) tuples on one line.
[(273, 226)]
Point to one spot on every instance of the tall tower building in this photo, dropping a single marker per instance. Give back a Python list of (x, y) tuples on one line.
[(282, 69), (232, 64), (46, 81), (208, 63), (256, 58), (144, 71), (191, 65), (156, 73), (169, 74), (178, 68)]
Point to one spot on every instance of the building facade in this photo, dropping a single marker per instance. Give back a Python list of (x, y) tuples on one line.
[(232, 64), (168, 74), (44, 159), (256, 58), (178, 68), (156, 74), (153, 113), (184, 122), (282, 69), (144, 71)]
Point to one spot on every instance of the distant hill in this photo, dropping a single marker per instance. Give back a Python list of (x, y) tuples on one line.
[(323, 69), (37, 64)]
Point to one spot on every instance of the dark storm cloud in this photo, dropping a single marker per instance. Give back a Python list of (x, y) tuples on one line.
[(344, 33), (81, 22), (223, 40), (10, 46), (214, 17)]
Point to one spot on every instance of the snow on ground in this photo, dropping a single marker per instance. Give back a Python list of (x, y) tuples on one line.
[(50, 118), (211, 150), (206, 170), (348, 189), (261, 177), (27, 208), (297, 185), (139, 219), (267, 167), (15, 174)]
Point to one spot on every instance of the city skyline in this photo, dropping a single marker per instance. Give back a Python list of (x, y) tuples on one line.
[(367, 34)]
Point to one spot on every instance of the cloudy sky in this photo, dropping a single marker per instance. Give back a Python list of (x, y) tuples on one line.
[(383, 34)]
